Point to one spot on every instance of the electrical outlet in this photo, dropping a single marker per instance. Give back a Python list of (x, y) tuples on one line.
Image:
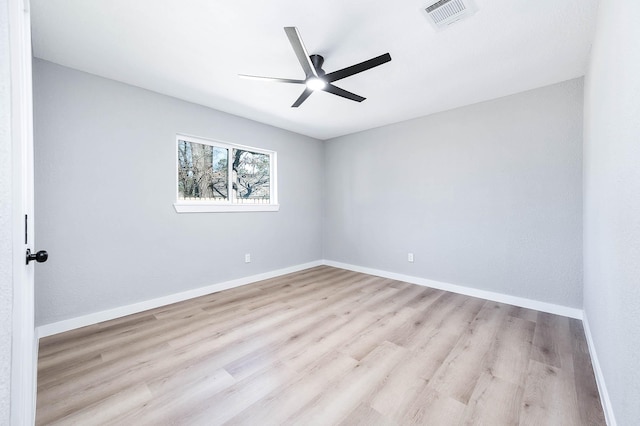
[(410, 257), (247, 258)]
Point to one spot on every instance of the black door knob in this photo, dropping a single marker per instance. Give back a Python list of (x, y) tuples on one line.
[(39, 257)]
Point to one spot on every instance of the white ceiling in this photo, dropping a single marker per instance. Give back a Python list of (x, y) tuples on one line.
[(194, 50)]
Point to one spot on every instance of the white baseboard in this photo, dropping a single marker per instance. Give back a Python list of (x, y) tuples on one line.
[(602, 388), (468, 291), (94, 318)]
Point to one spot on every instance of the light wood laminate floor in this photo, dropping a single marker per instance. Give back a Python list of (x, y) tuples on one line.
[(323, 346)]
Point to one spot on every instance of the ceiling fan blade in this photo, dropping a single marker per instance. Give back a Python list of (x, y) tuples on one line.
[(274, 79), (355, 69), (301, 52), (302, 98), (341, 92)]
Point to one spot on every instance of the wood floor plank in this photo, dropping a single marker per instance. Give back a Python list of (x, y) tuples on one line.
[(107, 409), (312, 342), (524, 313), (461, 370), (282, 403), (364, 415), (380, 331), (164, 398), (549, 397), (550, 343), (233, 400), (430, 342), (322, 346), (430, 317), (449, 317), (510, 351), (397, 391), (335, 406), (494, 402), (91, 334), (429, 407)]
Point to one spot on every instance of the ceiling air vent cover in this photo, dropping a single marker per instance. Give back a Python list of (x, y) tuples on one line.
[(446, 12)]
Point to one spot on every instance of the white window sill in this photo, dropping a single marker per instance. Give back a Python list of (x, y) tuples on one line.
[(221, 208)]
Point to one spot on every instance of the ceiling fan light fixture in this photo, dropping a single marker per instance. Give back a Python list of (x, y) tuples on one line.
[(315, 83)]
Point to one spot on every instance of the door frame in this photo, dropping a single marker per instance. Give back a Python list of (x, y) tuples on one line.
[(24, 341)]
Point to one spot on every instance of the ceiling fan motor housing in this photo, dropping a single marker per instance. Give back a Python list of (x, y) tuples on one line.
[(317, 61)]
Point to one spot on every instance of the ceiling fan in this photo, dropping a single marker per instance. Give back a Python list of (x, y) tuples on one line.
[(315, 77)]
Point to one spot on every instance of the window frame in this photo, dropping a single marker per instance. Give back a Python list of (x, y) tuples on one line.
[(206, 206)]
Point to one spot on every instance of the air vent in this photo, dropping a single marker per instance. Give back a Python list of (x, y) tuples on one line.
[(445, 12)]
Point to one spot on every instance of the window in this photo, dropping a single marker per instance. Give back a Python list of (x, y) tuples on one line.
[(215, 176)]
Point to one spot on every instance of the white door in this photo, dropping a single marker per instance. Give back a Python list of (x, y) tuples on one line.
[(24, 350)]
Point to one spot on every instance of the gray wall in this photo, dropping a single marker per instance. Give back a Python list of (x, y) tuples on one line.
[(105, 184), (487, 196), (612, 203), (6, 253)]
